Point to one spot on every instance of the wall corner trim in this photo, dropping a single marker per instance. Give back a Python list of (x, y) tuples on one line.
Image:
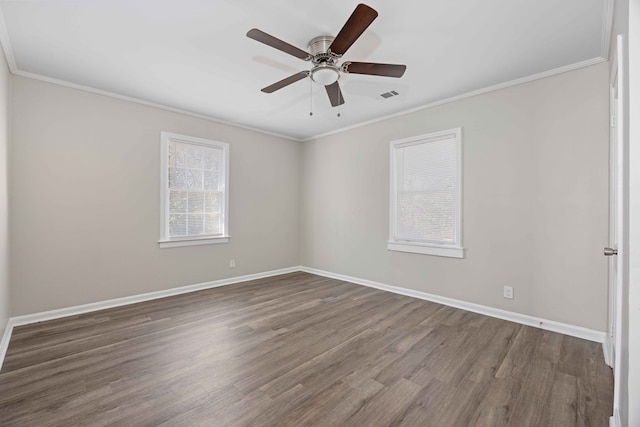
[(607, 28), (524, 319), (6, 44)]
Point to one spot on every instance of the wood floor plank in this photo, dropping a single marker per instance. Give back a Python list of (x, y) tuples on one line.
[(387, 405), (425, 407), (534, 394), (563, 403), (299, 350)]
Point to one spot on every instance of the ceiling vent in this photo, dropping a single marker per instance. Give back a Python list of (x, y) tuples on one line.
[(389, 94)]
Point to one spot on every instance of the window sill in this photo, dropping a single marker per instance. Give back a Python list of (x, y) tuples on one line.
[(193, 241), (437, 250)]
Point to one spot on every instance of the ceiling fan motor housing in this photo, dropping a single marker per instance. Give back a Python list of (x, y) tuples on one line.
[(319, 49), (325, 71)]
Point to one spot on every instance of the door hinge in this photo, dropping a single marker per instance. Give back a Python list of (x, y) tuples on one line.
[(613, 121)]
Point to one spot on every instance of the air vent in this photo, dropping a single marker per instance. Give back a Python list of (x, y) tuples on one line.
[(389, 94)]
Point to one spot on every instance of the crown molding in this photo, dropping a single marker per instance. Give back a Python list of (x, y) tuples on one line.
[(527, 79), (140, 101), (460, 97), (6, 43), (607, 28)]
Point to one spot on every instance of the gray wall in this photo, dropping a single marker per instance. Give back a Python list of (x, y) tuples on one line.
[(85, 200), (535, 196), (4, 200)]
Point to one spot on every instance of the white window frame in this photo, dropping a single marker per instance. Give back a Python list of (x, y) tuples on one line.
[(454, 250), (171, 242)]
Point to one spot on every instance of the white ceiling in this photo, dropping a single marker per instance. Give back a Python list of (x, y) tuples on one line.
[(193, 55)]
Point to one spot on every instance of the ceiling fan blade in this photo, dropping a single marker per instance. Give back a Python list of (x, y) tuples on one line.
[(359, 20), (335, 94), (374, 69), (269, 40), (285, 82)]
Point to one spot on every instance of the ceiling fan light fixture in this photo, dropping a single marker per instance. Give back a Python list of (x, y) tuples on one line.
[(325, 74)]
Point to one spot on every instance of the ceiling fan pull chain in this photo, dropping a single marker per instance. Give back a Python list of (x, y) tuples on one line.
[(310, 98)]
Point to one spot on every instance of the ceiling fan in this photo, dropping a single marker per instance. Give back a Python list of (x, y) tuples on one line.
[(324, 52)]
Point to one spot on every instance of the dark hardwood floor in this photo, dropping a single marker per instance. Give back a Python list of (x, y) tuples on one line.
[(298, 350)]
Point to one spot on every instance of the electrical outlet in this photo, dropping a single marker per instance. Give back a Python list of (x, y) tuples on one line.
[(232, 263), (508, 292)]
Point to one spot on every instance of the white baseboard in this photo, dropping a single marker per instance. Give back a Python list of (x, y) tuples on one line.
[(614, 421), (6, 337), (117, 302), (607, 349), (549, 325)]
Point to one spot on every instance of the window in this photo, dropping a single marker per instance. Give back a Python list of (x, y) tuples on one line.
[(425, 199), (194, 199)]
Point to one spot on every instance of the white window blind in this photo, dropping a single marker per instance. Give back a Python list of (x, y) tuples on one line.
[(425, 194), (194, 189)]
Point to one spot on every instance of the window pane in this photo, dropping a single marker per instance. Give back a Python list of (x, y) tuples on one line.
[(177, 178), (212, 157), (178, 154), (427, 216), (196, 202), (195, 225), (177, 201), (177, 225), (171, 160), (193, 179), (194, 157), (212, 224), (211, 180), (212, 202)]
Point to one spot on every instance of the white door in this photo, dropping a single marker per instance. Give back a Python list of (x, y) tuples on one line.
[(616, 219), (614, 202)]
